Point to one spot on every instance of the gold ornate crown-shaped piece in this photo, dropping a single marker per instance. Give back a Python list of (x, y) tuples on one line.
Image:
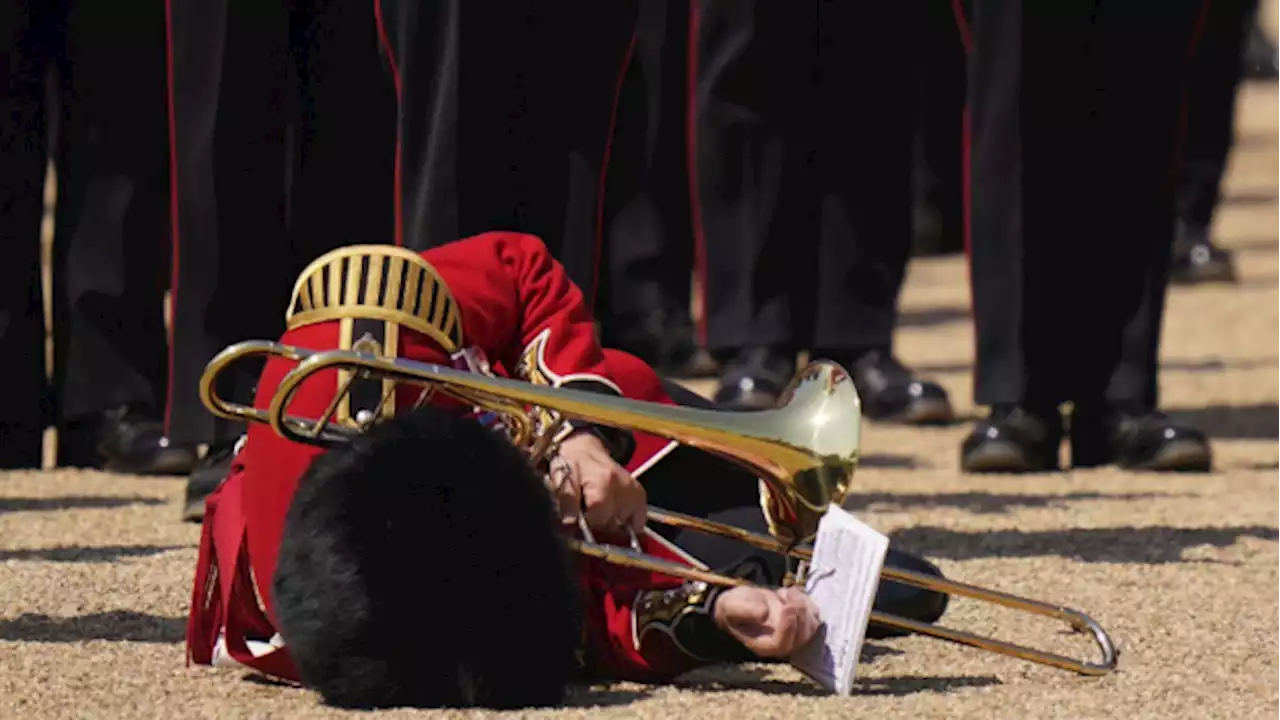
[(377, 282)]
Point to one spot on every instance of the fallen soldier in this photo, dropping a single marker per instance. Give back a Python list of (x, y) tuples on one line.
[(422, 564)]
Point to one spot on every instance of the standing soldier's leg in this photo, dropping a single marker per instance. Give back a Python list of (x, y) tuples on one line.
[(111, 225), (752, 96), (345, 135), (938, 226), (1075, 147), (1027, 100), (645, 299), (1211, 101), (1136, 152), (24, 32), (505, 114), (862, 164), (229, 116), (231, 272)]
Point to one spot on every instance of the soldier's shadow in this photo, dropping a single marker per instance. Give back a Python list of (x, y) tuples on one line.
[(604, 696), (72, 502), (112, 625), (762, 679)]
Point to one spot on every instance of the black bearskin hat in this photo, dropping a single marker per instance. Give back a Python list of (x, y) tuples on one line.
[(421, 566)]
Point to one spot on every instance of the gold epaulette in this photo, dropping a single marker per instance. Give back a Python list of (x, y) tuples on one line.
[(377, 282)]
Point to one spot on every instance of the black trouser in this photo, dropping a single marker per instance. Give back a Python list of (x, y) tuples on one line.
[(1211, 104), (505, 113), (1074, 117), (252, 207), (649, 248), (105, 107), (703, 485), (938, 168), (804, 152)]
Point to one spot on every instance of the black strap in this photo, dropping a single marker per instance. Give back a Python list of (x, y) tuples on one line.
[(366, 393)]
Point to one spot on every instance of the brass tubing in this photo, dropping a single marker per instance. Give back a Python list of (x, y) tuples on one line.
[(766, 442)]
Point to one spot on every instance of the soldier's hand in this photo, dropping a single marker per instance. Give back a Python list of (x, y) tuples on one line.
[(585, 476), (770, 623)]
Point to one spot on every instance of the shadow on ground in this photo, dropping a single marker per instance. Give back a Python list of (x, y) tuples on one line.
[(83, 554), (1145, 545), (910, 685), (1250, 422), (1189, 366), (72, 502), (933, 317), (757, 678), (116, 625), (889, 461), (1249, 197), (603, 696), (1255, 242), (986, 503)]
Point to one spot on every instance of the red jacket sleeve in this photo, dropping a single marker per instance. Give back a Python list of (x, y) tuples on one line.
[(650, 627), (555, 340)]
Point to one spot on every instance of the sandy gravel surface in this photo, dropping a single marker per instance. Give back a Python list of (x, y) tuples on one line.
[(95, 570)]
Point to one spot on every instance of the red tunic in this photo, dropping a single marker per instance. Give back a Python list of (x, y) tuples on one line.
[(518, 306)]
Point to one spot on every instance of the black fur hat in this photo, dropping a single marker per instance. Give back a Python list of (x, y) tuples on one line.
[(420, 566)]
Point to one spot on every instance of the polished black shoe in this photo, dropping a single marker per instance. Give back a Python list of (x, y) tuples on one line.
[(666, 340), (907, 601), (1261, 61), (1013, 440), (891, 393), (208, 476), (124, 440), (687, 362), (1197, 260), (21, 448), (1147, 441), (755, 378)]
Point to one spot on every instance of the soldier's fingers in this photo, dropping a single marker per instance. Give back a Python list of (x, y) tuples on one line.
[(566, 490)]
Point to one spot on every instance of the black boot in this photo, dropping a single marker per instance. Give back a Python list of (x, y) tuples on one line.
[(1013, 440), (890, 391), (907, 601), (208, 476), (754, 378), (1136, 441), (128, 440), (21, 447), (665, 340), (1260, 57), (1197, 260)]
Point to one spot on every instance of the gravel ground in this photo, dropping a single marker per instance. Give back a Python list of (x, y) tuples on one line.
[(95, 570)]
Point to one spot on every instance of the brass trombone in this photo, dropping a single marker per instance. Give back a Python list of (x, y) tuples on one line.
[(804, 452)]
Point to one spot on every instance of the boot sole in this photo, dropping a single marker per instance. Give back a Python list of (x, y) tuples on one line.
[(928, 412), (1000, 458), (1223, 275), (1179, 456), (193, 511), (165, 463)]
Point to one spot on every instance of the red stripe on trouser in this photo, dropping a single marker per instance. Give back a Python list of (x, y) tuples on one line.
[(174, 245), (691, 166), (604, 171), (966, 38), (1193, 44), (966, 156)]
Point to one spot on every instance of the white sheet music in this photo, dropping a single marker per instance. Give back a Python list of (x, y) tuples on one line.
[(842, 580)]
